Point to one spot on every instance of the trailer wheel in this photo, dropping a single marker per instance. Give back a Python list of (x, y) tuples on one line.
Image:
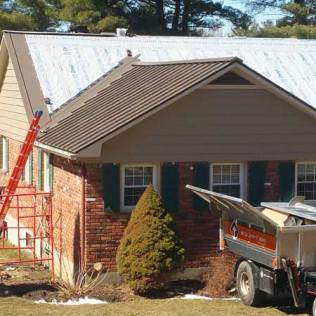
[(248, 293), (314, 308)]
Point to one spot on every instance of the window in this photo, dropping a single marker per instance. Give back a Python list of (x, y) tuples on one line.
[(5, 154), (306, 180), (135, 179), (47, 172), (28, 240), (28, 170), (227, 179)]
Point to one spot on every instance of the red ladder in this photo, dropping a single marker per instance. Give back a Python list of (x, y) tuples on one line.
[(19, 166)]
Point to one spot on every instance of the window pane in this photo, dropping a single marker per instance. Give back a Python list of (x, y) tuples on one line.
[(306, 181), (217, 179), (236, 169), (139, 180), (217, 169), (138, 171), (226, 169), (301, 169), (132, 195), (148, 180), (148, 171), (233, 190), (235, 178), (225, 178), (128, 180), (309, 169), (128, 172)]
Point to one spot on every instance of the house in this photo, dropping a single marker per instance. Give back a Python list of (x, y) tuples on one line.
[(233, 115)]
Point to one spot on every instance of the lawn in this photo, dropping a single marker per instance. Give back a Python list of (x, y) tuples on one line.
[(176, 307), (12, 254)]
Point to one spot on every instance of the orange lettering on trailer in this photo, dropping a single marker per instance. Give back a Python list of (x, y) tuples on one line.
[(251, 236)]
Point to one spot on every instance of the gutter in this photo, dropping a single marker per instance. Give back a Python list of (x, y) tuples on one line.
[(59, 152), (83, 219)]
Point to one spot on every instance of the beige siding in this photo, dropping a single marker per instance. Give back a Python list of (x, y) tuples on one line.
[(13, 119), (219, 125)]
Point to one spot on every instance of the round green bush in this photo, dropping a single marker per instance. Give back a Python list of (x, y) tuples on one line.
[(150, 246)]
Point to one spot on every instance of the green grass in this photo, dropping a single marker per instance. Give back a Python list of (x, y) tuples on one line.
[(17, 307), (12, 254)]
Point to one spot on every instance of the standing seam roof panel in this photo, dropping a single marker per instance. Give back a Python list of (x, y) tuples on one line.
[(148, 87)]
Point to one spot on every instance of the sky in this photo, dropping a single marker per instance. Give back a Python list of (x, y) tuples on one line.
[(268, 14), (263, 16)]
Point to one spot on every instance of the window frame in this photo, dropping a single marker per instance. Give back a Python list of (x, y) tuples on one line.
[(28, 170), (5, 155), (309, 162), (242, 175), (46, 172), (155, 183)]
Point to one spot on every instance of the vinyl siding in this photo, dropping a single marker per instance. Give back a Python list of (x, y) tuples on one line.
[(219, 125), (13, 118)]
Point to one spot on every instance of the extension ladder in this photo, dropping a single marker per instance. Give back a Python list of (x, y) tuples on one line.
[(19, 166)]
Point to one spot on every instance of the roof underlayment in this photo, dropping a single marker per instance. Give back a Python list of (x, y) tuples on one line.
[(66, 65)]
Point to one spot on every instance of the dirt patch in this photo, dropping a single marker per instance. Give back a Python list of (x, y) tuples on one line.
[(34, 283)]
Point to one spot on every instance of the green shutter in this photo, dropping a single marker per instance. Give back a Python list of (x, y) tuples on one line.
[(201, 179), (287, 180), (170, 186), (40, 169), (256, 179), (31, 167), (111, 187), (51, 173)]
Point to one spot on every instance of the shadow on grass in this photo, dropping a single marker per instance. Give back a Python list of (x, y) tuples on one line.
[(176, 288), (32, 291)]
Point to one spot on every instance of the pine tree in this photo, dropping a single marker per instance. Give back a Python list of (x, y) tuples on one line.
[(150, 246)]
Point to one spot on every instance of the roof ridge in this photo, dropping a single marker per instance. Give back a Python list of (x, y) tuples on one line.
[(104, 34), (189, 61)]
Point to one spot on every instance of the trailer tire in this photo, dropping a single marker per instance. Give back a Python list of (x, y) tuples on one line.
[(314, 308), (246, 286)]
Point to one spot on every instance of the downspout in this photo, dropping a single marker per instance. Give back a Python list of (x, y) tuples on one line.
[(83, 219)]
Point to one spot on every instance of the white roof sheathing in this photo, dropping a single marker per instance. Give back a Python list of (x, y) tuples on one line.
[(65, 65)]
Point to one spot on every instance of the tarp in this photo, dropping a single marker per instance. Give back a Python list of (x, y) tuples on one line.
[(65, 65)]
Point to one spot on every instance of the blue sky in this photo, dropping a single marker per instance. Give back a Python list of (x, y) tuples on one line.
[(266, 15)]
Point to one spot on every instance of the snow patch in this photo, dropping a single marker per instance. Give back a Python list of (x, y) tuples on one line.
[(81, 301), (201, 297)]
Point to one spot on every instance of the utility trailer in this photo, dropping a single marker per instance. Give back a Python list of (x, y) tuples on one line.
[(275, 243)]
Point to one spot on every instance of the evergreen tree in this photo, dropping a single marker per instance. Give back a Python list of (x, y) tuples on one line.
[(149, 247)]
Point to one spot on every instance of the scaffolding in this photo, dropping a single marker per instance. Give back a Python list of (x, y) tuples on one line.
[(27, 231)]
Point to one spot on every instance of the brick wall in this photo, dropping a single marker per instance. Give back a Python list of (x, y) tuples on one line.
[(67, 203), (103, 230), (198, 230)]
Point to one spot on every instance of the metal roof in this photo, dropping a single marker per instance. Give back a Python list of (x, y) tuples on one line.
[(140, 90), (301, 210), (66, 64)]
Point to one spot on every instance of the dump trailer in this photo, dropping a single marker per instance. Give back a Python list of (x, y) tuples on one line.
[(275, 244)]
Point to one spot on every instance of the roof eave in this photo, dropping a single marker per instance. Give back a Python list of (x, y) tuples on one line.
[(57, 151)]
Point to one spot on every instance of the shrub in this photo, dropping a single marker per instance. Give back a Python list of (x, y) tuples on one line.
[(150, 246)]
